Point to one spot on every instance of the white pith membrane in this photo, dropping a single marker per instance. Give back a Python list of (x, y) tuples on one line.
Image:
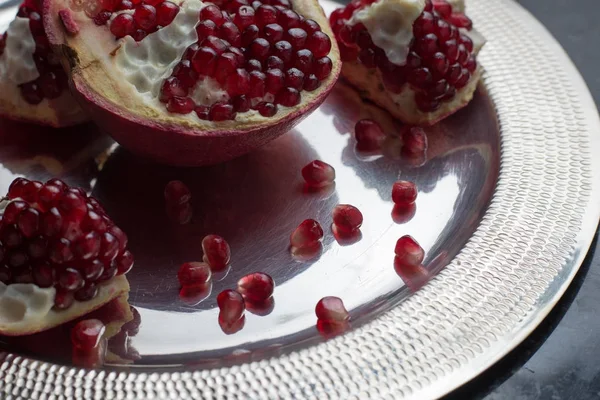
[(27, 309), (17, 67), (129, 74), (389, 23)]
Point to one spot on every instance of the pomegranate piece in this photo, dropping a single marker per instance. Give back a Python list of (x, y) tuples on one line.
[(58, 236), (177, 193), (308, 233), (347, 218), (409, 252), (331, 309), (216, 251), (368, 134), (87, 334), (404, 193), (256, 287), (435, 69), (318, 174), (231, 305), (212, 80), (193, 274)]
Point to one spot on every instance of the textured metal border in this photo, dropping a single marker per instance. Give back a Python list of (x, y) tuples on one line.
[(494, 293)]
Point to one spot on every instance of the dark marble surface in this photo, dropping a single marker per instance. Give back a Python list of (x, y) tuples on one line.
[(561, 359)]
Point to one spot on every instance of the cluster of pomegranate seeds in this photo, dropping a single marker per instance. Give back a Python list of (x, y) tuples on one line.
[(193, 274), (332, 310), (256, 288), (347, 219), (441, 59), (262, 54), (178, 202), (307, 234), (216, 252), (52, 80), (147, 16), (53, 235), (318, 174), (409, 252), (368, 135), (404, 193)]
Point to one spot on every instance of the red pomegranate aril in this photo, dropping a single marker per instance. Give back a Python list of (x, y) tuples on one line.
[(11, 237), (63, 299), (471, 64), (176, 192), (92, 270), (443, 30), (216, 251), (88, 246), (439, 64), (204, 61), (250, 34), (87, 334), (122, 25), (109, 247), (253, 65), (102, 17), (17, 258), (51, 222), (16, 188), (259, 48), (303, 60), (409, 252), (319, 43), (467, 42), (454, 73), (110, 271), (310, 26), (265, 14), (193, 274), (244, 16), (274, 81), (145, 16), (166, 13), (231, 306), (322, 68), (426, 103), (215, 43), (368, 134), (87, 292), (450, 49), (289, 18), (420, 77), (72, 204), (48, 195), (308, 233), (461, 21), (120, 236), (347, 218), (202, 112), (332, 310), (294, 78), (180, 105), (296, 37), (221, 112), (266, 109), (44, 275), (257, 84), (124, 262), (288, 97), (404, 193), (212, 13), (234, 5), (240, 104), (465, 76), (205, 29), (172, 87), (256, 287), (125, 5), (424, 25), (442, 7), (463, 55), (273, 33), (318, 174), (238, 83), (230, 32), (49, 85), (12, 211), (186, 75), (30, 191), (31, 92), (23, 274), (37, 247), (311, 83), (284, 50), (70, 279), (28, 222)]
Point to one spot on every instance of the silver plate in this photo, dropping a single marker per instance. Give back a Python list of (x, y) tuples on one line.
[(509, 194)]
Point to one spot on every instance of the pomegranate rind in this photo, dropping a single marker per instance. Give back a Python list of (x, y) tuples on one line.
[(106, 293), (170, 138)]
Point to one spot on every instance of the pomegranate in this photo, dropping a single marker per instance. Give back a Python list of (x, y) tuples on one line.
[(404, 193), (62, 256), (331, 309), (415, 58), (256, 287), (87, 334), (33, 85), (347, 218), (231, 305), (307, 234), (193, 274), (318, 174), (192, 82), (369, 135), (216, 252), (408, 251)]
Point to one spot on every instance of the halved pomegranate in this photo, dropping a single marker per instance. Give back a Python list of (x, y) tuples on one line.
[(33, 85), (415, 58), (61, 257), (191, 82)]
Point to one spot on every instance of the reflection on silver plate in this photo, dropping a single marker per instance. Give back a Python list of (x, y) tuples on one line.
[(507, 208)]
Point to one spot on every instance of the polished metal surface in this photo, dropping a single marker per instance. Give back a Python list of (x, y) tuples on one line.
[(509, 262)]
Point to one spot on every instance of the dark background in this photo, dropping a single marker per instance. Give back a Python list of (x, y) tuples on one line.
[(561, 359)]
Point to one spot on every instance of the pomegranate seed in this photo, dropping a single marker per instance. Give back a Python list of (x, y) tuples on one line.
[(414, 140), (256, 287), (331, 309), (102, 17), (70, 279), (408, 251), (471, 64), (347, 218), (110, 271), (176, 192), (16, 188), (48, 196), (310, 26), (241, 103), (404, 193), (12, 211), (230, 32), (28, 222), (288, 97), (221, 112), (193, 274), (43, 275), (318, 174), (87, 334), (319, 43), (11, 237), (424, 25), (37, 247), (72, 204), (202, 112), (259, 48), (205, 29), (166, 13), (323, 67), (172, 87), (265, 15), (63, 299), (296, 37), (306, 234), (367, 57), (311, 83), (442, 7), (212, 13), (145, 16), (274, 62), (122, 25), (274, 80), (461, 21), (253, 65), (426, 103), (186, 75), (289, 18), (249, 35), (303, 60), (87, 292), (244, 16), (88, 247), (194, 295), (5, 274), (30, 191), (238, 83), (60, 251), (216, 251), (17, 259), (92, 270), (284, 50), (257, 84), (267, 109), (273, 33), (231, 328), (180, 105), (125, 5), (51, 223), (231, 305), (213, 42), (368, 134), (294, 78)]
